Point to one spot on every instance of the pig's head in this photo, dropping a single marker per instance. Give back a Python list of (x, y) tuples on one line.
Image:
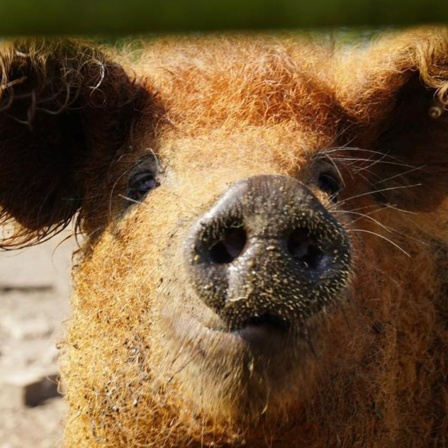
[(265, 236)]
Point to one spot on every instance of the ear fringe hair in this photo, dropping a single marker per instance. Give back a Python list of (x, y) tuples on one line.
[(62, 104)]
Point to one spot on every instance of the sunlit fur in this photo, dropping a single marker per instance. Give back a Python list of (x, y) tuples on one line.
[(140, 365)]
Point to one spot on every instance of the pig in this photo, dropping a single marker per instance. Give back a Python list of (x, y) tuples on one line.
[(264, 226)]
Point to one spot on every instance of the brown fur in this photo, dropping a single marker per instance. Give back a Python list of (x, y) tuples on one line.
[(138, 368)]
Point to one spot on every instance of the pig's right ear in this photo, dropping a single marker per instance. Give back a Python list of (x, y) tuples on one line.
[(63, 106)]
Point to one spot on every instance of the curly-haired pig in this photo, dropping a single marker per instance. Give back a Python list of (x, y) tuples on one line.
[(265, 234)]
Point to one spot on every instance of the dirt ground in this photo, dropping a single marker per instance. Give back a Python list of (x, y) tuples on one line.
[(34, 302)]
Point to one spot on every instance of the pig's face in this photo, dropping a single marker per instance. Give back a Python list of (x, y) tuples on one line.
[(263, 249), (233, 313), (246, 263)]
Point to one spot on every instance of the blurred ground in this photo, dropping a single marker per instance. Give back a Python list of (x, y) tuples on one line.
[(34, 293)]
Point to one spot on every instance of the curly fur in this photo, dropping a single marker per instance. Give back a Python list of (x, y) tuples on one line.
[(209, 112)]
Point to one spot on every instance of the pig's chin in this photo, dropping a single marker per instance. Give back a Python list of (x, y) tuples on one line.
[(265, 364)]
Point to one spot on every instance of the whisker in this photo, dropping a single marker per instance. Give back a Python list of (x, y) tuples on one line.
[(335, 166), (363, 150), (387, 228), (124, 173), (401, 210), (184, 365), (374, 208), (344, 156), (384, 159), (330, 148), (368, 193), (373, 162), (127, 198), (383, 237), (367, 216), (401, 174)]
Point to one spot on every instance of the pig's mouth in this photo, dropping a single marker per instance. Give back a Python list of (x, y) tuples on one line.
[(267, 336), (264, 332)]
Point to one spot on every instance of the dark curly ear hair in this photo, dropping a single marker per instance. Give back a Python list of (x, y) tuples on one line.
[(61, 103), (399, 113)]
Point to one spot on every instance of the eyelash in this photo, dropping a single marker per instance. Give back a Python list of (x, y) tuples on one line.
[(141, 184)]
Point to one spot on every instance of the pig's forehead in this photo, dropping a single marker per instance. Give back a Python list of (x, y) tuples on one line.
[(238, 83), (285, 144)]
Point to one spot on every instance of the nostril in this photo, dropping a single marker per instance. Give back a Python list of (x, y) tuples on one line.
[(230, 247), (303, 248)]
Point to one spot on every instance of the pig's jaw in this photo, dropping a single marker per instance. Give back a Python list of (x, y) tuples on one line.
[(258, 371)]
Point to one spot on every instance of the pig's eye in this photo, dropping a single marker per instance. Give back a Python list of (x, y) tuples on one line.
[(140, 184), (330, 184)]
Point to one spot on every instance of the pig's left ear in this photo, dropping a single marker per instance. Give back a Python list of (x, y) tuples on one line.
[(65, 110), (396, 99)]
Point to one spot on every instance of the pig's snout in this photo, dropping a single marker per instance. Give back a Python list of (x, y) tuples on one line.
[(268, 251)]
